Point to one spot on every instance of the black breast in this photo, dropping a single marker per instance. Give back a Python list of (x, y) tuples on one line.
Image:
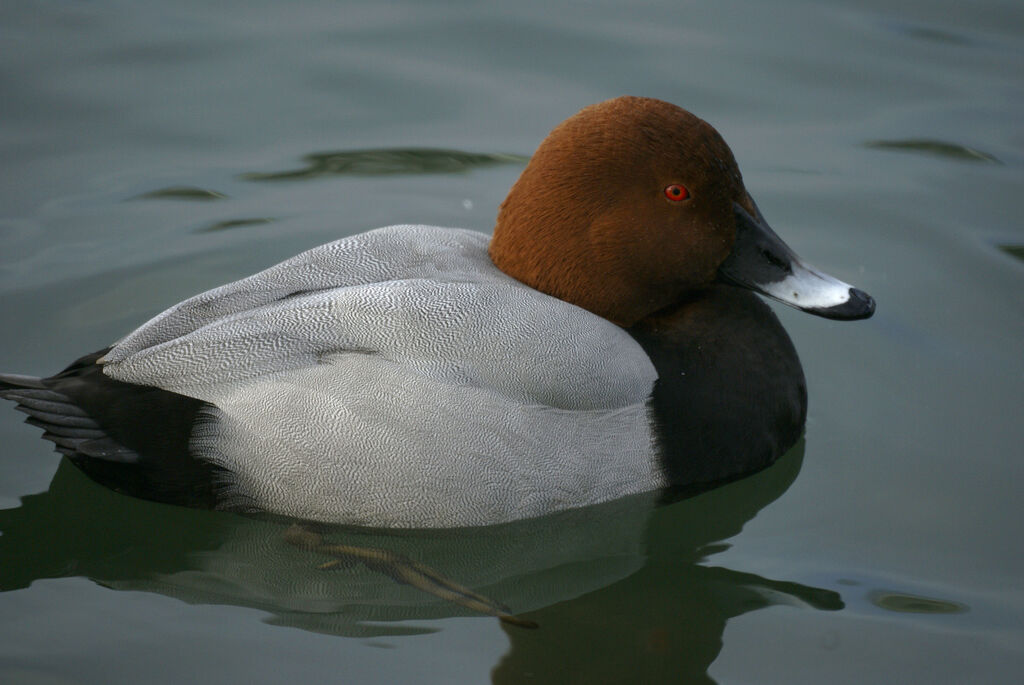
[(730, 397)]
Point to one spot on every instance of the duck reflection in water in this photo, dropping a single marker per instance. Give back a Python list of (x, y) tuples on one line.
[(587, 577)]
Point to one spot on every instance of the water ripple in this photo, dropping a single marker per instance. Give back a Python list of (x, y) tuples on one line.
[(936, 148), (181, 193), (914, 604), (1013, 250), (235, 223), (386, 162)]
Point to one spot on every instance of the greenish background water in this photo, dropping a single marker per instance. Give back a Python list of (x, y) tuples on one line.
[(151, 150)]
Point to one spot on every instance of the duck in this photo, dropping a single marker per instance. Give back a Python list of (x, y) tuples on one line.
[(609, 338)]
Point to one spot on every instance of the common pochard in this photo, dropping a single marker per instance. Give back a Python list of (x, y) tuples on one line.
[(605, 341)]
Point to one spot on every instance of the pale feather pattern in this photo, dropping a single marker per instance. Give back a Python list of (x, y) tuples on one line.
[(397, 378)]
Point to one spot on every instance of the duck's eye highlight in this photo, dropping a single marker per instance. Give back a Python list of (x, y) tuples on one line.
[(676, 192)]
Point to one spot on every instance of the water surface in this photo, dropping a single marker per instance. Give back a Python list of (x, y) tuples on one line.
[(153, 150)]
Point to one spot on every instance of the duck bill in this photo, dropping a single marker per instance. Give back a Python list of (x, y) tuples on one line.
[(763, 263)]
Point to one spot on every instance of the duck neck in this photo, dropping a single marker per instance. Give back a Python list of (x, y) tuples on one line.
[(576, 268)]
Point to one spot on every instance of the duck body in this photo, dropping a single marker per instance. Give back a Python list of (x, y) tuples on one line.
[(416, 376), (416, 385), (397, 378)]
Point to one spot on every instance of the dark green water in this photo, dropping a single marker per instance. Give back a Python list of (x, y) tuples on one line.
[(151, 151)]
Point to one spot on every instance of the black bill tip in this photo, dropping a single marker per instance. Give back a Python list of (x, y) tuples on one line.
[(859, 305)]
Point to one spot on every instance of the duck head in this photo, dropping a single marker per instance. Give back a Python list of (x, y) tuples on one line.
[(633, 204)]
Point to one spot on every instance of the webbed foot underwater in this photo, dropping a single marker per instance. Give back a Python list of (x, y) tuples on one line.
[(607, 340)]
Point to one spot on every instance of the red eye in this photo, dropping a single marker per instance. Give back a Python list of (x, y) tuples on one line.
[(676, 192)]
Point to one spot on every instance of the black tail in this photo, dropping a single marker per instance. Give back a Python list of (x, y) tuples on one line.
[(64, 423), (132, 438)]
